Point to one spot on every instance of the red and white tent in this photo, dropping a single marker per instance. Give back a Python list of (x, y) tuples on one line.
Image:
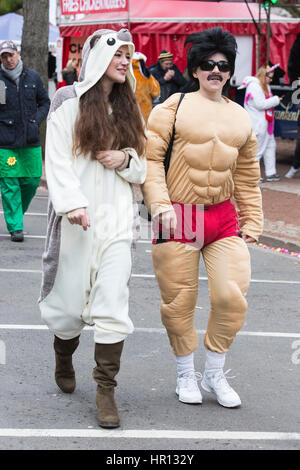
[(165, 24)]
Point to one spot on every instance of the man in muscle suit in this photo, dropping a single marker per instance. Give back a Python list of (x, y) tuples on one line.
[(213, 160)]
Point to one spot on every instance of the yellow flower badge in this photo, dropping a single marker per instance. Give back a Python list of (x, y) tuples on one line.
[(11, 161)]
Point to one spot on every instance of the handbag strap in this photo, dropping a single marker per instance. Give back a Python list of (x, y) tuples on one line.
[(170, 146)]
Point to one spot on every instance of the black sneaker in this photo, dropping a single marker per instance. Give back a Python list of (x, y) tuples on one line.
[(17, 236), (273, 178)]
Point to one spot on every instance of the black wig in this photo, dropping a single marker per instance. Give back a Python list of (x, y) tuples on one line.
[(205, 44)]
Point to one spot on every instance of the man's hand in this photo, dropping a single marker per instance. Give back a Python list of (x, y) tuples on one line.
[(248, 239), (169, 75), (79, 217), (168, 221), (111, 158)]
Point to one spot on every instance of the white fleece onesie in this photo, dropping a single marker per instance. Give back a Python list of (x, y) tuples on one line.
[(86, 273), (256, 104)]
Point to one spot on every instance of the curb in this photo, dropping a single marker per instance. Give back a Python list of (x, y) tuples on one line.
[(279, 243)]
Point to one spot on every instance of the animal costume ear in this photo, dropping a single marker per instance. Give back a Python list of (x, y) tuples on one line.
[(124, 35), (87, 47), (97, 53)]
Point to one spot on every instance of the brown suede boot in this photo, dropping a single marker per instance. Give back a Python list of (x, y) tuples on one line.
[(64, 371), (107, 357)]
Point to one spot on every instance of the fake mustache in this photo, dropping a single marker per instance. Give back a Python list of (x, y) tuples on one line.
[(214, 76)]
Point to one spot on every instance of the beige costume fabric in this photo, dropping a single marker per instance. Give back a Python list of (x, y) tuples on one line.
[(176, 267), (213, 160)]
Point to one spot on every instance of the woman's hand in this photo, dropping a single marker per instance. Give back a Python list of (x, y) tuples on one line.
[(79, 217), (111, 158), (248, 239), (168, 221)]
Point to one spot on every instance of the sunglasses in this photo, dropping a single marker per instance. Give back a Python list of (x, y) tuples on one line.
[(209, 65)]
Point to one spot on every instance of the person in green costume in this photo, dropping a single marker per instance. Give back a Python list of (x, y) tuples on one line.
[(24, 104)]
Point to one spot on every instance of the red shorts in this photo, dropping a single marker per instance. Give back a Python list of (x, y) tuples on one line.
[(199, 225)]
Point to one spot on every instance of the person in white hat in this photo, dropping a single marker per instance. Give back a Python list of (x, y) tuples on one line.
[(94, 153)]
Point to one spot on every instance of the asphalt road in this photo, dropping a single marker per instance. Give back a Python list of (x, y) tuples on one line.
[(264, 363)]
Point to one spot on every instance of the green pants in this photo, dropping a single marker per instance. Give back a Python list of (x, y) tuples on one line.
[(17, 193)]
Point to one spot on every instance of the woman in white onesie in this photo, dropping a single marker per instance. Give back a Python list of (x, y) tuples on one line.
[(260, 103), (94, 153)]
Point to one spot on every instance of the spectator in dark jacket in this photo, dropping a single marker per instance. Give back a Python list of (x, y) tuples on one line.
[(168, 75), (52, 67), (24, 104), (69, 73), (294, 60)]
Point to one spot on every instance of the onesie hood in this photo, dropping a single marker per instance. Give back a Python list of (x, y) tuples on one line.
[(95, 61), (247, 81)]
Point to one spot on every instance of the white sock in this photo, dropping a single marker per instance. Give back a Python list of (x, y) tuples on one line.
[(214, 361), (185, 364)]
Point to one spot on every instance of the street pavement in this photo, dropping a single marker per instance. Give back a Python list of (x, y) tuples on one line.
[(263, 364)]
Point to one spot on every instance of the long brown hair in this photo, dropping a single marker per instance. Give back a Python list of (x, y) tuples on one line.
[(95, 129)]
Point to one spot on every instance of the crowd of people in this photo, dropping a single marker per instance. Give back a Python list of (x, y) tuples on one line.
[(156, 83), (109, 131)]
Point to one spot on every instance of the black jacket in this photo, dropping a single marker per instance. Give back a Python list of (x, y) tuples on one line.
[(167, 88), (294, 60), (70, 77), (24, 110)]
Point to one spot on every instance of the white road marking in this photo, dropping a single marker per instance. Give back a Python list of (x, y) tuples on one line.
[(272, 334), (32, 213), (25, 236), (33, 271), (7, 235), (269, 333), (152, 276), (274, 281), (150, 434), (203, 278)]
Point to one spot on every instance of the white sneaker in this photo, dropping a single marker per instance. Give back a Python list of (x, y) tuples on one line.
[(291, 173), (187, 389), (218, 385)]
